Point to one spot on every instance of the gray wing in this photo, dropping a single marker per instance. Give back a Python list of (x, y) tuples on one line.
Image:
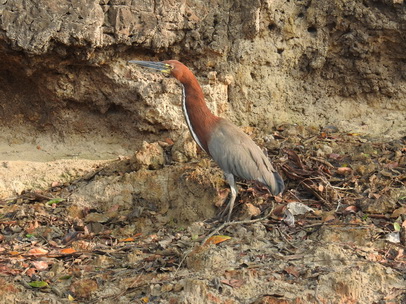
[(236, 153)]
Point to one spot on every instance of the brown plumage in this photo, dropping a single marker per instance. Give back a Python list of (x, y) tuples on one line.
[(233, 150)]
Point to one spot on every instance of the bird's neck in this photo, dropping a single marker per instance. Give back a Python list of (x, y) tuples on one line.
[(199, 118)]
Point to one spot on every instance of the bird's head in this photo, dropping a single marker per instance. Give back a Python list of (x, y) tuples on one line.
[(169, 67)]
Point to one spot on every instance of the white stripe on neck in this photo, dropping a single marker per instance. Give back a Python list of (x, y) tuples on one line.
[(194, 135)]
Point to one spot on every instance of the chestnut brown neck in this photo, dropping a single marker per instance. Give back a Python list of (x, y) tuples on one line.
[(199, 118)]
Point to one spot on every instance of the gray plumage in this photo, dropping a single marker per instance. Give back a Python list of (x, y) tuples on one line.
[(237, 154)]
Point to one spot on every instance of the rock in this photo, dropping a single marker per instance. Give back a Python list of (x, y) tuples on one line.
[(150, 156), (184, 148), (97, 218)]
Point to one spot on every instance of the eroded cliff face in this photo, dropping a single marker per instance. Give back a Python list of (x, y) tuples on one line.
[(64, 72)]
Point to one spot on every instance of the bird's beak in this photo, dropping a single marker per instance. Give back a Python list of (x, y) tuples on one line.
[(160, 66)]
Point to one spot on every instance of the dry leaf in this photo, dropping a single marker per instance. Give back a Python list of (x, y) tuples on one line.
[(292, 270), (129, 239), (400, 256), (233, 283), (31, 227), (318, 212), (40, 265), (278, 199), (252, 210), (279, 211), (351, 209), (53, 243), (217, 239), (67, 250), (328, 217), (30, 271), (7, 270), (334, 156), (169, 141), (37, 251), (396, 213)]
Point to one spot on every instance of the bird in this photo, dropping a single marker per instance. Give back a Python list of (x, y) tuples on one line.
[(232, 149)]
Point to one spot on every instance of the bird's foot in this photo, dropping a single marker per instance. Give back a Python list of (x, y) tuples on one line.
[(225, 214)]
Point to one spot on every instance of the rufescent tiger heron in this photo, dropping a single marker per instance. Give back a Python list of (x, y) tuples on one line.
[(233, 150)]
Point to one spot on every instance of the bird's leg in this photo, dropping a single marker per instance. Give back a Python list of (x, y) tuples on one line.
[(234, 189), (230, 205)]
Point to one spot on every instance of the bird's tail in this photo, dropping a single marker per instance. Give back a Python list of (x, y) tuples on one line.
[(278, 185)]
